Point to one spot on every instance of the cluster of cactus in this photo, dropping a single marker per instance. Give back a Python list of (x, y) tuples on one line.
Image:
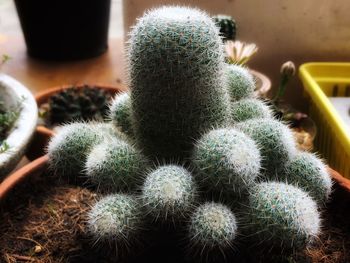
[(186, 106), (227, 26), (83, 103)]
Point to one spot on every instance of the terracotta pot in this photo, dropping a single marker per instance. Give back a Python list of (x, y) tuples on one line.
[(28, 171), (42, 133), (263, 83), (39, 165)]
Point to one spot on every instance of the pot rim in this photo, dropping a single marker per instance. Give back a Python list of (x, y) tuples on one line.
[(40, 164), (43, 97), (24, 127)]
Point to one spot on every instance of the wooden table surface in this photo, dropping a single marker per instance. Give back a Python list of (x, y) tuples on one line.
[(39, 75)]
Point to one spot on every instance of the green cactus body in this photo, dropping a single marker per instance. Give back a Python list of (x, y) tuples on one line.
[(240, 82), (282, 215), (168, 192), (68, 149), (227, 26), (212, 225), (226, 160), (275, 141), (246, 109), (115, 165), (177, 80), (115, 218), (308, 172), (120, 113), (109, 130)]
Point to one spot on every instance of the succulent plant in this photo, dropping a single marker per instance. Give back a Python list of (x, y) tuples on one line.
[(115, 219), (168, 192), (226, 160), (282, 215), (177, 80), (309, 173), (240, 82), (115, 165), (227, 26), (246, 109), (120, 113), (74, 104), (68, 149), (275, 141), (212, 225), (239, 53)]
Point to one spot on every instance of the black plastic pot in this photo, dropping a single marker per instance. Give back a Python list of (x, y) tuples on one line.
[(64, 29)]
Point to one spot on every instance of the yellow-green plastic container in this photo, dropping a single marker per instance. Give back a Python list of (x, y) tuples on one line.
[(322, 80)]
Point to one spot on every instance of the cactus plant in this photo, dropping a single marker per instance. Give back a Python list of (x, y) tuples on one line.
[(282, 215), (275, 141), (115, 219), (246, 109), (115, 165), (308, 172), (227, 160), (212, 225), (68, 149), (74, 104), (227, 26), (177, 80), (120, 113), (168, 192), (240, 82)]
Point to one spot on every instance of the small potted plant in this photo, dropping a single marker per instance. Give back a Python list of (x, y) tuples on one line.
[(303, 126), (239, 53), (67, 103), (18, 117)]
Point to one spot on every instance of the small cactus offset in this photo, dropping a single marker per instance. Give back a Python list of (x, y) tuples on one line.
[(212, 226), (246, 109), (226, 160), (308, 172), (282, 215), (67, 151), (115, 165), (168, 193), (115, 219), (227, 26), (275, 141), (120, 113), (240, 82), (177, 80)]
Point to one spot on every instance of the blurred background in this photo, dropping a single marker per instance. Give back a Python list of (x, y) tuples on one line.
[(301, 31)]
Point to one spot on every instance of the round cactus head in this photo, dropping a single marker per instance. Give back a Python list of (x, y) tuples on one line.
[(177, 80), (240, 82), (120, 113), (275, 141), (246, 109), (115, 165), (68, 149), (212, 225), (308, 172), (168, 192), (282, 215), (226, 160), (115, 219)]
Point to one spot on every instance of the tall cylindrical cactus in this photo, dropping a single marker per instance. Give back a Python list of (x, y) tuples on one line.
[(177, 80)]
